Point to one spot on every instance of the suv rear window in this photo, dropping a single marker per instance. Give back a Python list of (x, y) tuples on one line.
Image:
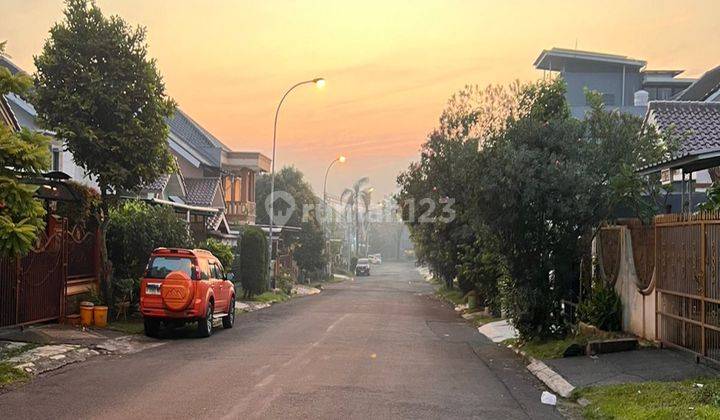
[(160, 267)]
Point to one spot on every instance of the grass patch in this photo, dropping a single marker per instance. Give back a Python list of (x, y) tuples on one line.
[(9, 353), (554, 349), (655, 400), (271, 297), (130, 326), (451, 295), (10, 374)]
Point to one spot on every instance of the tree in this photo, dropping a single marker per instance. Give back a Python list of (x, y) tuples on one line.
[(99, 91), (253, 261), (224, 253), (353, 197), (21, 154), (308, 244), (136, 229)]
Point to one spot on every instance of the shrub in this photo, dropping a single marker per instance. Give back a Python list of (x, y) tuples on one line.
[(284, 282), (127, 290), (253, 262), (135, 229), (223, 252), (481, 270), (602, 308)]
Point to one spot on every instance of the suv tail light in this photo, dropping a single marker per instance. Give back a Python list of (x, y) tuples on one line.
[(195, 272)]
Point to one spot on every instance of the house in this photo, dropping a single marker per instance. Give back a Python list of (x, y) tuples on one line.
[(213, 186), (624, 82), (6, 115), (705, 89), (696, 127)]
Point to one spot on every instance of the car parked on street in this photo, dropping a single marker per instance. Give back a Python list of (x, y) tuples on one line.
[(186, 285), (362, 268), (375, 258)]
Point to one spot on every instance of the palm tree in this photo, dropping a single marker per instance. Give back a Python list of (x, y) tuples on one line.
[(352, 198)]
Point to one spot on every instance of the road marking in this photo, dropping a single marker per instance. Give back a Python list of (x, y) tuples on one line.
[(330, 328), (265, 381), (260, 370)]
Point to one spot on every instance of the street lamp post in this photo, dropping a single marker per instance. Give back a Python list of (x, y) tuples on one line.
[(319, 82), (340, 159)]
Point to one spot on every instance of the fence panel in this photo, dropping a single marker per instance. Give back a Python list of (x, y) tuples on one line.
[(688, 299), (8, 292), (42, 281), (82, 255)]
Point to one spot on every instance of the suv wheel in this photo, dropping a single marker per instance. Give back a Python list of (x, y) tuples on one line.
[(152, 327), (205, 324), (229, 320)]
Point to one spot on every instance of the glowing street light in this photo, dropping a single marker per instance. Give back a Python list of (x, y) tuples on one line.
[(320, 83)]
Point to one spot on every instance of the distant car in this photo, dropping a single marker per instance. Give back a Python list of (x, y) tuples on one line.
[(185, 285), (362, 268), (375, 258)]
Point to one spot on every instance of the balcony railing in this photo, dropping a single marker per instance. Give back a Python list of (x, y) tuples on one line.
[(237, 212)]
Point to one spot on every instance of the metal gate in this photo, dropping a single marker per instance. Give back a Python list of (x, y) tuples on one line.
[(32, 288), (687, 258)]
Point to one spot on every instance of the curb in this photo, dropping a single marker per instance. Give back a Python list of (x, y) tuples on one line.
[(546, 375)]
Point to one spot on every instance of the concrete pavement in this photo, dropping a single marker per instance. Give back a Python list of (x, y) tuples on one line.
[(376, 347)]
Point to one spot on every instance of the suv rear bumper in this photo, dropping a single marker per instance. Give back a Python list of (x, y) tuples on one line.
[(165, 314)]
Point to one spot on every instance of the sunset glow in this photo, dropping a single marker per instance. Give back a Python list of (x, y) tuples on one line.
[(391, 66)]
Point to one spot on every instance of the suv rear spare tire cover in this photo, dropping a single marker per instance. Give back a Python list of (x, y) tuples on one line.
[(177, 291)]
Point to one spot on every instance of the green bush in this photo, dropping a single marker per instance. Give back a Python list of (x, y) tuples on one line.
[(223, 252), (284, 282), (481, 270), (137, 228), (602, 309), (253, 265), (127, 290)]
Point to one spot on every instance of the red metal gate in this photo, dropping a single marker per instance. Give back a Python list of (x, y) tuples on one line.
[(32, 289)]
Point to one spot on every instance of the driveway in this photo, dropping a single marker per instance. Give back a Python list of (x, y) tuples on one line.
[(377, 347)]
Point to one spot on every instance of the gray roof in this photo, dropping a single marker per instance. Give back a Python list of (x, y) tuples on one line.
[(696, 125), (554, 58), (5, 62), (197, 137), (201, 191), (24, 112), (703, 87), (159, 184)]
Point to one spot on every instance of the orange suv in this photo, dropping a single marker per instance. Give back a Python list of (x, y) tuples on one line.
[(184, 285)]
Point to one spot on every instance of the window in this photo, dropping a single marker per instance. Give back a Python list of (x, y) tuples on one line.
[(55, 159), (236, 190), (160, 267), (217, 271), (205, 272), (608, 98), (227, 182)]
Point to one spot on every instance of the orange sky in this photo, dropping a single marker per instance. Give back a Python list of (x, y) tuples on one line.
[(390, 65)]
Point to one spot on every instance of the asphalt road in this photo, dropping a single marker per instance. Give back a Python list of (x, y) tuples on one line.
[(376, 347)]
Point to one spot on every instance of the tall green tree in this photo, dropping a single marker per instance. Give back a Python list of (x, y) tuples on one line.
[(100, 92), (309, 243), (21, 154), (359, 194), (251, 266)]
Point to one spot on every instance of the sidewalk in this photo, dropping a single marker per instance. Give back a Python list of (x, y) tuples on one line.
[(630, 366), (44, 348)]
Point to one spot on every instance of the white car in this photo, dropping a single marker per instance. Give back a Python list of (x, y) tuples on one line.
[(375, 258)]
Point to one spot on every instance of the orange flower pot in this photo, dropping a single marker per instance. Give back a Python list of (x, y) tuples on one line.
[(86, 313), (100, 316)]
